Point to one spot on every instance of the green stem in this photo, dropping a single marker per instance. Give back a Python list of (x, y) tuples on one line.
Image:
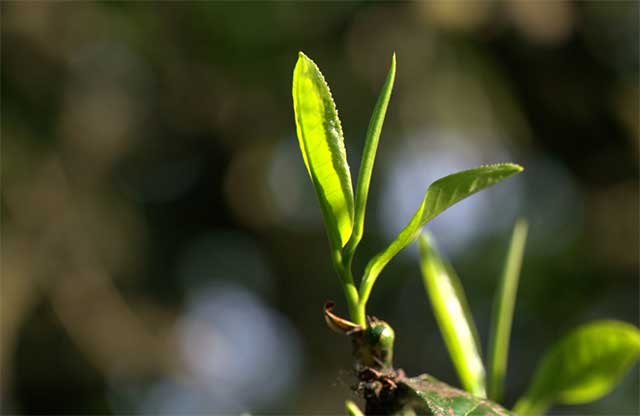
[(366, 285), (361, 315), (349, 287), (356, 313)]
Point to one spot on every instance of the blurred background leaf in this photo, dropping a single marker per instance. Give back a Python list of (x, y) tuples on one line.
[(163, 251), (582, 366), (451, 310), (502, 313)]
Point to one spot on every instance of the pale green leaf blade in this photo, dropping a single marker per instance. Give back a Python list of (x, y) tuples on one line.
[(369, 156), (322, 145), (442, 194), (503, 311), (583, 366), (453, 316)]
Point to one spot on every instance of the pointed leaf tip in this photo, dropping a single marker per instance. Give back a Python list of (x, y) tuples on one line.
[(515, 166), (440, 195), (368, 158)]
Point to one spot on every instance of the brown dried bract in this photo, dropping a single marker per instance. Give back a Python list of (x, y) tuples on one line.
[(378, 387)]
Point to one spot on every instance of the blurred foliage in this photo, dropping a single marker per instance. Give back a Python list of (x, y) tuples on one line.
[(583, 366), (162, 251)]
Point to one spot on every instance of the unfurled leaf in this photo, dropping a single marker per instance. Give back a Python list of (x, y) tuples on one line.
[(369, 156), (439, 196), (582, 367), (453, 316), (503, 311), (322, 145), (427, 395)]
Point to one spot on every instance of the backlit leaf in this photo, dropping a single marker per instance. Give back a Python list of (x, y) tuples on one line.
[(368, 158), (352, 409), (582, 367), (322, 145), (440, 195), (503, 306), (453, 316)]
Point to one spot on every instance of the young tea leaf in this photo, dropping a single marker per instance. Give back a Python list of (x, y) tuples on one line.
[(368, 158), (439, 196), (453, 316), (322, 145), (503, 311), (582, 367)]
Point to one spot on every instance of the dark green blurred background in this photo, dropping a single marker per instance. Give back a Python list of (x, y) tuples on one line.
[(162, 248)]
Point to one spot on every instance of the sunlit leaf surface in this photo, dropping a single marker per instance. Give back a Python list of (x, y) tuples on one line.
[(440, 195), (369, 156), (453, 316), (322, 145)]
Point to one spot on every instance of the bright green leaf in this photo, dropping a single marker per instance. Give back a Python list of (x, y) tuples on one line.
[(322, 145), (503, 311), (369, 156), (453, 316), (583, 366), (441, 195), (352, 409)]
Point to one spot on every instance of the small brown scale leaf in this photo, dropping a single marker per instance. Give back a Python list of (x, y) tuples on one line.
[(387, 390)]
